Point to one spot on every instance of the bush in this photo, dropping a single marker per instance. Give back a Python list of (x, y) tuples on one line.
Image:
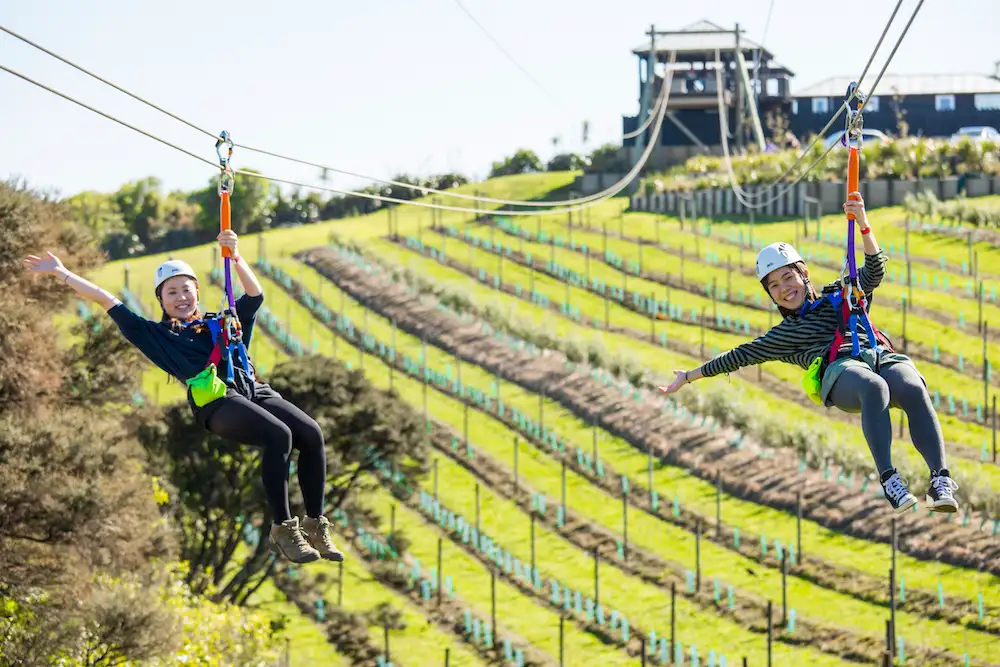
[(926, 207), (900, 159)]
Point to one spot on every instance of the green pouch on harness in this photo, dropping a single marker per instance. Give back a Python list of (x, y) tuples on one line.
[(206, 387), (812, 382)]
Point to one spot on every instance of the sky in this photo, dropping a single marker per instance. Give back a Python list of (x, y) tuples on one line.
[(396, 86)]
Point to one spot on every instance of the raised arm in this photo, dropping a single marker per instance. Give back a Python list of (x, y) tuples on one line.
[(50, 265), (871, 273), (228, 239)]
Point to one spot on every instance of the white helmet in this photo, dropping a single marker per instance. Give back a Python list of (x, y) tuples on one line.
[(774, 257), (171, 268)]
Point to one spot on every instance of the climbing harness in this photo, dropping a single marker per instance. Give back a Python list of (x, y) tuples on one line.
[(848, 300), (225, 326), (228, 323), (854, 304)]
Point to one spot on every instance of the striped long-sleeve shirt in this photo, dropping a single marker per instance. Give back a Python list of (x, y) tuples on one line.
[(799, 340)]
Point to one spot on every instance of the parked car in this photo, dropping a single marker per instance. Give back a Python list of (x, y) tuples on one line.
[(976, 133), (866, 136)]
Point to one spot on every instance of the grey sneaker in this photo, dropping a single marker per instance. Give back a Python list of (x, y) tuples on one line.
[(288, 540), (317, 531)]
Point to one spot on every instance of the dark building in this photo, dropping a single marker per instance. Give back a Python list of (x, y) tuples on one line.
[(691, 125), (934, 105)]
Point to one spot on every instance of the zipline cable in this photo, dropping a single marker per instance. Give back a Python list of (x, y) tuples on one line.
[(457, 195), (744, 195), (767, 188), (108, 116), (365, 195)]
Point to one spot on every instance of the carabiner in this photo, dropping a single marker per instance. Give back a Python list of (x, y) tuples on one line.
[(855, 119), (227, 181), (224, 138)]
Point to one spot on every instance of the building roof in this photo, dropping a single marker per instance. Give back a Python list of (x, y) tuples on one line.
[(701, 42), (907, 84)]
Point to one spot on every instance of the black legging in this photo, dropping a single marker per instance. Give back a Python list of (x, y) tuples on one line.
[(276, 426), (898, 386)]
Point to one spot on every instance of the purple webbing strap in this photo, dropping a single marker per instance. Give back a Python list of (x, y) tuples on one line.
[(229, 286), (852, 264)]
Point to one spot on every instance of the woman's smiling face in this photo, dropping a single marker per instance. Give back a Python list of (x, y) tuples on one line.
[(787, 287), (179, 297)]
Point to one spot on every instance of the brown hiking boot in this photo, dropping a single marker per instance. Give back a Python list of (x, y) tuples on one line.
[(288, 540), (317, 531)]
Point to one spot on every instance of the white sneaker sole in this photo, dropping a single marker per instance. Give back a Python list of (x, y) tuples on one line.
[(946, 505), (907, 504)]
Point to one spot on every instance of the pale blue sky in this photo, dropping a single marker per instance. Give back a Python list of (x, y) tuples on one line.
[(393, 86)]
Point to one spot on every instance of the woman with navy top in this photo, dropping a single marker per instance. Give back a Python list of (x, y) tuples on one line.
[(183, 344)]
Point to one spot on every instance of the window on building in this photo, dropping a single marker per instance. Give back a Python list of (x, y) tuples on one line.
[(872, 104), (821, 105), (772, 87), (795, 107), (944, 102), (987, 101)]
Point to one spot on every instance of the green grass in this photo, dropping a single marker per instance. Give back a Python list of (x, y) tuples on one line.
[(419, 643), (653, 534), (624, 457), (662, 361), (642, 603), (946, 380), (535, 623), (307, 642), (939, 378), (696, 247), (378, 374)]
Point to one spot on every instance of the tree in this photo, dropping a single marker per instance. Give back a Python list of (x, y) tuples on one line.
[(140, 205), (566, 162), (902, 126), (777, 124), (96, 211), (84, 549), (251, 204), (522, 162), (608, 159), (219, 494)]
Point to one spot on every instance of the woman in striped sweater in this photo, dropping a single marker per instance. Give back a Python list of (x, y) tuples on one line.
[(870, 383)]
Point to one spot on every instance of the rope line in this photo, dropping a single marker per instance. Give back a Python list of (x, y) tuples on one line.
[(108, 116), (364, 195), (457, 195), (744, 196), (510, 57)]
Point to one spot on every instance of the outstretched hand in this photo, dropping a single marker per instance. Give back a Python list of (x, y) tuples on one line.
[(678, 382), (48, 265)]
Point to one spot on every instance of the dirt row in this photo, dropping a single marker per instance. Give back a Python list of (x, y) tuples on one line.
[(815, 570), (767, 480), (347, 632), (771, 384), (577, 533), (448, 616), (750, 612), (914, 349)]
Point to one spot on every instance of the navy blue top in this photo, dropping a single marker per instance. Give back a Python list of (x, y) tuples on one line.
[(182, 354)]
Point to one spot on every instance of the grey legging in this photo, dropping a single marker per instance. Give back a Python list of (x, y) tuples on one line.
[(898, 386)]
